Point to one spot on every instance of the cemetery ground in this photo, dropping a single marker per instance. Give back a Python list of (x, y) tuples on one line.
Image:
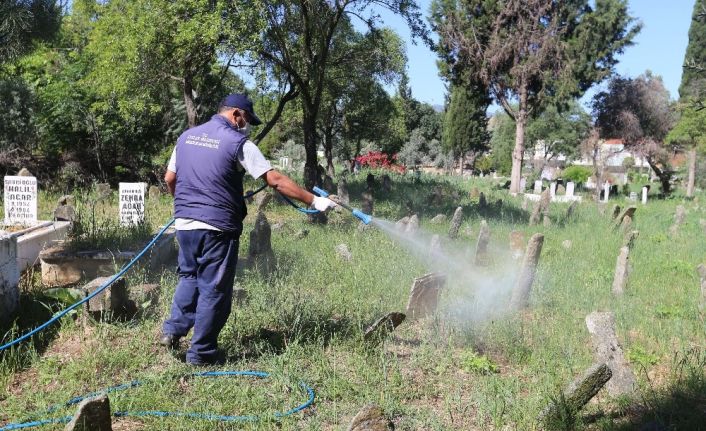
[(306, 320)]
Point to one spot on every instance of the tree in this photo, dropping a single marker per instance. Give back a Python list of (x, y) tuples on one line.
[(297, 46), (639, 112), (502, 140), (693, 81), (560, 131), (465, 121), (23, 22), (689, 132), (140, 48), (532, 52)]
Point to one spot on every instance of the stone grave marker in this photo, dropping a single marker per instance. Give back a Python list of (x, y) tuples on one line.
[(132, 203), (262, 200), (103, 191), (633, 196), (342, 192), (552, 190), (435, 245), (622, 270), (9, 282), (578, 394), (702, 223), (570, 186), (370, 181), (370, 418), (644, 196), (538, 187), (386, 183), (525, 279), (260, 253), (679, 216), (384, 326), (630, 238), (607, 349), (482, 201), (93, 414), (616, 212), (113, 303), (570, 211), (567, 244), (456, 223), (541, 208), (701, 270), (482, 244), (523, 184), (517, 244), (20, 200), (367, 204), (154, 193), (24, 172), (560, 189), (66, 200), (438, 219), (343, 252), (412, 225), (629, 212), (64, 213), (401, 224), (424, 297), (606, 192)]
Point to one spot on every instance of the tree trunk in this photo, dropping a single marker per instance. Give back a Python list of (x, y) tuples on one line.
[(311, 176), (191, 113), (692, 173), (328, 151), (663, 174), (460, 164), (519, 151)]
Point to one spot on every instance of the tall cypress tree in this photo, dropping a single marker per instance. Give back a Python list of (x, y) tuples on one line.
[(465, 120), (693, 79)]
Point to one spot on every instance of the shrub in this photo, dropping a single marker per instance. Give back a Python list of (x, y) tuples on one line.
[(577, 174), (380, 160)]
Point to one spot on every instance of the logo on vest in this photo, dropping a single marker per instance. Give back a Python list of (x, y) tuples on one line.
[(203, 141)]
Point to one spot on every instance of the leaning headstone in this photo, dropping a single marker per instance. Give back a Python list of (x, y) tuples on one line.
[(537, 210), (627, 224), (456, 223), (630, 237), (10, 279), (401, 224), (537, 187), (112, 303), (342, 192), (66, 200), (386, 183), (578, 394), (482, 244), (20, 200), (262, 201), (622, 269), (523, 286), (64, 213), (367, 204), (93, 414), (132, 203), (438, 219), (383, 326), (701, 269), (154, 193), (482, 201), (424, 297), (629, 212), (607, 349), (24, 172), (570, 211), (435, 245), (343, 252), (103, 191), (371, 418), (517, 244), (260, 254), (412, 225)]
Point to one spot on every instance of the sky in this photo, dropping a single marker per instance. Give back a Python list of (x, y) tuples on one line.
[(659, 47)]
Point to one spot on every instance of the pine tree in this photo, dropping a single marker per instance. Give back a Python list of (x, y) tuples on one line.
[(465, 120), (693, 80)]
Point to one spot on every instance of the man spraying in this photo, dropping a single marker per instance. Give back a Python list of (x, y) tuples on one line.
[(205, 176)]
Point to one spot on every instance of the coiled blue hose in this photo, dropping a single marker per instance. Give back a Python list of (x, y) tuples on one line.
[(33, 421)]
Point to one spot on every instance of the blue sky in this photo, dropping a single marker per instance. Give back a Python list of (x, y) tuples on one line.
[(659, 47)]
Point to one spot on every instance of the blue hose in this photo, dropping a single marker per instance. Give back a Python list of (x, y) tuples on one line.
[(162, 414)]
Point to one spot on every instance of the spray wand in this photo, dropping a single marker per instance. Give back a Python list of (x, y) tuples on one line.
[(360, 215)]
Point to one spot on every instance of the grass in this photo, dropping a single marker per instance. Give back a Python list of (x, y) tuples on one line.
[(463, 368)]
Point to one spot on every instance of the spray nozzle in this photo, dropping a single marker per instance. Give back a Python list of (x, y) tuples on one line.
[(360, 215)]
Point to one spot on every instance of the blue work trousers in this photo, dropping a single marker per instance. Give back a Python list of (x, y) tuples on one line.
[(202, 300)]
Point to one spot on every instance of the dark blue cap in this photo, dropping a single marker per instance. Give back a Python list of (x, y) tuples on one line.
[(242, 101)]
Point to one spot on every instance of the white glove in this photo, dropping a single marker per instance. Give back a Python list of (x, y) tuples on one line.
[(323, 204)]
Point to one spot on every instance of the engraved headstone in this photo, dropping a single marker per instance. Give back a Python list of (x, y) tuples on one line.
[(20, 200), (570, 186), (132, 203), (523, 286), (424, 297), (456, 223), (342, 192)]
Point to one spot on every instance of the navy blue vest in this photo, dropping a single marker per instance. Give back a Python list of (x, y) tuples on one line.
[(209, 185)]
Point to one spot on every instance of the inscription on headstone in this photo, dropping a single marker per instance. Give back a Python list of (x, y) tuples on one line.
[(132, 203), (20, 200)]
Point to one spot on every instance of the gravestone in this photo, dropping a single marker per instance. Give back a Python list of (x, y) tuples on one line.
[(578, 394), (633, 196), (616, 212), (606, 192), (482, 202), (260, 253), (630, 238), (702, 223), (537, 187), (607, 349), (525, 279), (560, 189), (629, 212), (435, 245), (343, 252), (438, 219), (66, 200), (367, 203), (383, 326), (401, 224), (262, 201), (412, 225), (456, 223), (342, 192), (112, 303), (424, 296), (541, 208), (370, 182), (482, 244), (64, 213), (701, 270), (20, 200), (386, 183), (103, 191), (570, 186), (552, 190), (627, 223), (523, 184), (475, 193), (567, 244), (517, 244), (93, 414), (644, 196), (132, 203), (370, 418), (523, 205), (570, 211), (679, 216), (154, 193), (622, 270), (24, 172), (9, 278)]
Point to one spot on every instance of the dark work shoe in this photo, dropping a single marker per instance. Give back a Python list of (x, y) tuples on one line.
[(170, 341), (219, 359)]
